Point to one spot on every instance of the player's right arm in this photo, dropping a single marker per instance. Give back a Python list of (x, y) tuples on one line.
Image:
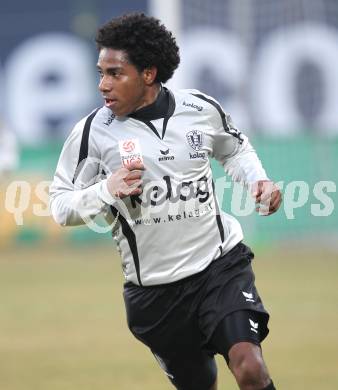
[(77, 194)]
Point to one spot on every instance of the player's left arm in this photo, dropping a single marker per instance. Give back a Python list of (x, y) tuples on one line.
[(239, 159)]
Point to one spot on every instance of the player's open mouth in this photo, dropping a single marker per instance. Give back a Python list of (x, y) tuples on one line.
[(109, 102)]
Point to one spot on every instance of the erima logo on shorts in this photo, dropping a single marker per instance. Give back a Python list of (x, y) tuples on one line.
[(254, 325), (248, 296)]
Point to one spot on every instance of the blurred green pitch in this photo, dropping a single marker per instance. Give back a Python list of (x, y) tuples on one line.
[(62, 322)]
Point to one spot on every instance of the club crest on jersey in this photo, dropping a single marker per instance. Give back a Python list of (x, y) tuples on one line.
[(195, 139)]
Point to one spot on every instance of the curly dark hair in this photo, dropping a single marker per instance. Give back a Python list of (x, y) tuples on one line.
[(146, 41)]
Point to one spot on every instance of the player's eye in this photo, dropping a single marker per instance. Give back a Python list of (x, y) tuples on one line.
[(115, 73)]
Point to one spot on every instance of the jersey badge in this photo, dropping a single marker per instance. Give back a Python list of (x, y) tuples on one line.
[(130, 151), (195, 139)]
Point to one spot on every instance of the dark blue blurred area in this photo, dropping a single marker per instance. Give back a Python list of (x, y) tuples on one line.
[(21, 20), (48, 49)]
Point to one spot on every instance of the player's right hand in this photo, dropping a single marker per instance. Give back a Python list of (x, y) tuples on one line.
[(126, 181)]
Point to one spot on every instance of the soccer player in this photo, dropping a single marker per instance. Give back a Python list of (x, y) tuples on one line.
[(142, 160)]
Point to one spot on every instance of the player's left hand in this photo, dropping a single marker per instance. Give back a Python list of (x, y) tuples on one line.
[(268, 197)]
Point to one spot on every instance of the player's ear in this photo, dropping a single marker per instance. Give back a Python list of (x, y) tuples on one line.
[(149, 75)]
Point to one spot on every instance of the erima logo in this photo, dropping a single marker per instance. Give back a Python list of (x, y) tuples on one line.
[(109, 120), (254, 325), (165, 156), (248, 296), (192, 105)]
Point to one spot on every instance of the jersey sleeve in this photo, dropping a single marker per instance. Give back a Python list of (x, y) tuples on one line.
[(234, 151), (76, 195)]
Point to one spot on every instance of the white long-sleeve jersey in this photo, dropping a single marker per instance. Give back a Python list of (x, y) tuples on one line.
[(175, 228)]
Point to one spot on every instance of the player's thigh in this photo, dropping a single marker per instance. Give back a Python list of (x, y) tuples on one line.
[(189, 370), (239, 326)]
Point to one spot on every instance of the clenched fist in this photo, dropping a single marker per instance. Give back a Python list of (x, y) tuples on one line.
[(126, 181), (267, 196)]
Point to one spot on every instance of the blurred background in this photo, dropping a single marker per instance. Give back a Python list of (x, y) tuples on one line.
[(273, 66)]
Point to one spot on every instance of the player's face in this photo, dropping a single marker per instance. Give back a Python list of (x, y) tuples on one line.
[(121, 84)]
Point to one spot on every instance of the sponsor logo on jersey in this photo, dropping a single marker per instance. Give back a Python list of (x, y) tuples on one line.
[(130, 151), (109, 120), (155, 194), (195, 139), (165, 156), (193, 156), (192, 105)]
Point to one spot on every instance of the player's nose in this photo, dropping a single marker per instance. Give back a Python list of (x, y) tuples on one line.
[(105, 84)]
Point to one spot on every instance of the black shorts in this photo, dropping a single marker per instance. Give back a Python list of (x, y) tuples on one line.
[(185, 323)]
